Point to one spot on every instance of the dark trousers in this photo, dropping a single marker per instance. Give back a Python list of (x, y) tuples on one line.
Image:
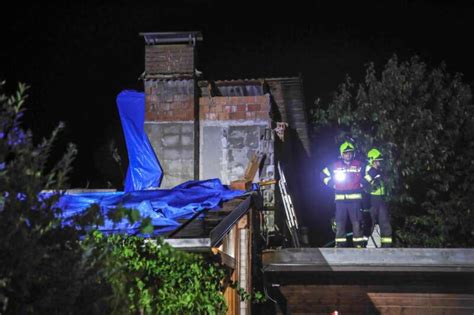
[(351, 210), (379, 213), (366, 221)]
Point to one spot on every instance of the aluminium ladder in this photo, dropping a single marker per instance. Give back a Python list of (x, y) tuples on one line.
[(291, 221)]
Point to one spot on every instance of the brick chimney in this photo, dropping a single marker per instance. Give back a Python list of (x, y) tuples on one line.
[(172, 103)]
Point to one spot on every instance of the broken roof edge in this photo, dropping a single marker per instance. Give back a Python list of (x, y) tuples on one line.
[(154, 38), (175, 76), (202, 82), (254, 81)]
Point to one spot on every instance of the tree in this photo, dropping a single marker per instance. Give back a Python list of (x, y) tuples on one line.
[(423, 121)]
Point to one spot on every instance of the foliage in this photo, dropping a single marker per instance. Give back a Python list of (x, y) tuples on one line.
[(255, 296), (149, 277), (38, 259), (423, 121)]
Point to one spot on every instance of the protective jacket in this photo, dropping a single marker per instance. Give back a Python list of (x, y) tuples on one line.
[(374, 177), (346, 179)]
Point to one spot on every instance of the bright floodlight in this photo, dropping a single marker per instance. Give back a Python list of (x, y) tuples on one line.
[(340, 177)]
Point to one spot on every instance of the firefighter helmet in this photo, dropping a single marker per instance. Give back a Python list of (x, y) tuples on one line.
[(374, 155), (346, 146)]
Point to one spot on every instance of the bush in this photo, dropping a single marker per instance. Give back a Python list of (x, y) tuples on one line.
[(151, 277), (39, 262)]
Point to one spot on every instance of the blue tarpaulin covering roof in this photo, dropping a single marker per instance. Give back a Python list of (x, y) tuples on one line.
[(163, 206)]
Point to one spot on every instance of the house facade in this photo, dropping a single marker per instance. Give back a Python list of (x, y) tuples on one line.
[(203, 129)]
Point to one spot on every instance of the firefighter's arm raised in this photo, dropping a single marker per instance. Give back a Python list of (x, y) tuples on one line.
[(372, 177)]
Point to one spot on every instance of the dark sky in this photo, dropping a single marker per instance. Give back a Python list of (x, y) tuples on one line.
[(78, 57)]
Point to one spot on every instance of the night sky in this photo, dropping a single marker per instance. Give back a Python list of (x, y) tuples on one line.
[(78, 57)]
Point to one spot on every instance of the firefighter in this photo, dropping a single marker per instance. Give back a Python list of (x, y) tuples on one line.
[(345, 177), (379, 211)]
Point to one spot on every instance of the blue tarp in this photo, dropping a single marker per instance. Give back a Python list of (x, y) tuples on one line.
[(144, 170), (164, 206)]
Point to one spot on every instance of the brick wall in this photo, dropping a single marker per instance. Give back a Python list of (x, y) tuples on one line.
[(174, 146), (171, 128), (169, 100), (231, 129), (234, 108), (171, 107), (378, 299), (169, 59)]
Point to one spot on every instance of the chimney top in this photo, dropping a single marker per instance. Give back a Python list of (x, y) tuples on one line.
[(171, 37)]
